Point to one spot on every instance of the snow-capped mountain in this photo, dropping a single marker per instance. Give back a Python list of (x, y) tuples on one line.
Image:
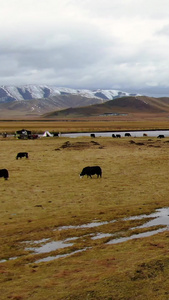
[(29, 92), (36, 100)]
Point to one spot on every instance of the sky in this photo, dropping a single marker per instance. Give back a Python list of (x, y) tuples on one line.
[(89, 44)]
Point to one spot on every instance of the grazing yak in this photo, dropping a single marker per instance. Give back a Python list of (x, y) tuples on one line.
[(127, 134), (92, 135), (22, 154), (4, 173), (161, 136), (89, 171), (116, 136)]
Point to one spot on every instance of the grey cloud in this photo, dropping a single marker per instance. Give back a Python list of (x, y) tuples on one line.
[(106, 44), (73, 48)]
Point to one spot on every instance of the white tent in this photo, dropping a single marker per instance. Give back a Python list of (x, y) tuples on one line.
[(47, 134)]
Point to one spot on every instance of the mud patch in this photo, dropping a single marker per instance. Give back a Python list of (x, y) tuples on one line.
[(79, 145)]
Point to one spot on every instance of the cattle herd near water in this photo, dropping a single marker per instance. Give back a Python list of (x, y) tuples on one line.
[(88, 171)]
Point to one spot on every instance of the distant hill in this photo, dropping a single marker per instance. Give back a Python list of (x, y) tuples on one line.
[(38, 107), (35, 100), (124, 105)]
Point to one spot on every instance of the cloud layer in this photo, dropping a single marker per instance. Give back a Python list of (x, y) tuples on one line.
[(120, 44)]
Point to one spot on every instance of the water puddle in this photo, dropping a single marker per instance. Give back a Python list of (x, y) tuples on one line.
[(158, 218), (136, 236), (88, 225), (5, 260), (49, 258), (50, 246), (101, 236)]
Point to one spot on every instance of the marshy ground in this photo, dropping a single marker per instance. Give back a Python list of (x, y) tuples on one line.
[(45, 201)]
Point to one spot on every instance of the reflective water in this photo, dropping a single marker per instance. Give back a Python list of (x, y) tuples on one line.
[(50, 246), (150, 133), (136, 236), (49, 258), (101, 236), (158, 218), (88, 225), (10, 258)]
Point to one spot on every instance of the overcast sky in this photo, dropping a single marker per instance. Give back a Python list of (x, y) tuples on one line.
[(107, 44)]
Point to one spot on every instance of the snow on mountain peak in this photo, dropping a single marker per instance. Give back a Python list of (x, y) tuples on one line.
[(29, 92)]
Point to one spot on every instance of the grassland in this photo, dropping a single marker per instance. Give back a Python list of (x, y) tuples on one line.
[(45, 193), (130, 122)]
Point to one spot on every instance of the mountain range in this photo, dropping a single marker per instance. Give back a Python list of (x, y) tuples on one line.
[(34, 101), (30, 92)]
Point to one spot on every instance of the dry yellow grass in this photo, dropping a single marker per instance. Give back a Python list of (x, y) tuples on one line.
[(131, 122), (45, 192)]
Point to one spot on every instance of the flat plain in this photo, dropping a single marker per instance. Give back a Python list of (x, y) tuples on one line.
[(56, 229)]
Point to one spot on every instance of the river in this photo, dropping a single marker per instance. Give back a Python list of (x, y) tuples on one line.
[(150, 133)]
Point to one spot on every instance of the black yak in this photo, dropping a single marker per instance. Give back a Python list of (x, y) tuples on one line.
[(4, 173), (127, 134), (89, 171), (22, 154)]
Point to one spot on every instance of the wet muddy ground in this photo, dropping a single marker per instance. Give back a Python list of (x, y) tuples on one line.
[(153, 223)]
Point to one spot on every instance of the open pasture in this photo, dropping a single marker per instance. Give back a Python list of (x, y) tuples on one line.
[(45, 201), (91, 124)]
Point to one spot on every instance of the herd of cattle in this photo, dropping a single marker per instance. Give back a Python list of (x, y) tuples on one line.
[(127, 134), (89, 171), (96, 170), (113, 135)]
